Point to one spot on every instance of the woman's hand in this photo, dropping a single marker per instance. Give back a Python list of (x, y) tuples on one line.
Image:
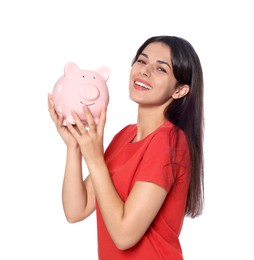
[(67, 137), (90, 139)]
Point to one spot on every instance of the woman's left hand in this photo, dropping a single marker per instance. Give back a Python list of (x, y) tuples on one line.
[(90, 139)]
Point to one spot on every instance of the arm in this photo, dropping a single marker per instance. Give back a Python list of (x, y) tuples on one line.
[(126, 221), (78, 195)]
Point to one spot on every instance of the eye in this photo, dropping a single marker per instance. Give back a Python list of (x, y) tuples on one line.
[(161, 69), (93, 77), (83, 76), (141, 61)]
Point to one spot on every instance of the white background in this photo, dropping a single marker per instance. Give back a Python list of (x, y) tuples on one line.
[(38, 37)]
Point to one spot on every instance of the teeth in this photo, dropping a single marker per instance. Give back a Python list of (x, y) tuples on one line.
[(143, 85)]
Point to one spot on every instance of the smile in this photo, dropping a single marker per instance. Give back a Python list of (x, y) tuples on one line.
[(87, 104), (140, 84)]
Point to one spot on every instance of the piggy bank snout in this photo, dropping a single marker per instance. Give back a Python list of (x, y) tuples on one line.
[(89, 92)]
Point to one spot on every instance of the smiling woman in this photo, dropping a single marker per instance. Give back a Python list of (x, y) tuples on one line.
[(151, 174), (153, 71)]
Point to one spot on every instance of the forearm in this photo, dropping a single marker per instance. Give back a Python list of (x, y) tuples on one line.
[(110, 203), (73, 193), (126, 221)]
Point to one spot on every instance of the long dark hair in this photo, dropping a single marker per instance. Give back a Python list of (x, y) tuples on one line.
[(187, 112)]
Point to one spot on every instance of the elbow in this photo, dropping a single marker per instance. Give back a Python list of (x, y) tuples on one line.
[(74, 216), (71, 218), (125, 242), (122, 247)]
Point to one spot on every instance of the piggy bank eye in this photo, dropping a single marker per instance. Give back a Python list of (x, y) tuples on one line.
[(93, 77), (83, 76)]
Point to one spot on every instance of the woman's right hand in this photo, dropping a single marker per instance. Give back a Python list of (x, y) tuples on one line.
[(67, 137)]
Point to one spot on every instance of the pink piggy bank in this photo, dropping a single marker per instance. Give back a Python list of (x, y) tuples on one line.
[(77, 88)]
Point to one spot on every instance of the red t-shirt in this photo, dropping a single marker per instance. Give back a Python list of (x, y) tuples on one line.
[(151, 160)]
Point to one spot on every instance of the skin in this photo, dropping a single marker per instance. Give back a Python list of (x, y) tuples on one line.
[(126, 221)]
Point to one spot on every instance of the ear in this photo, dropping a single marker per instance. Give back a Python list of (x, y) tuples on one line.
[(181, 91), (70, 67), (104, 72)]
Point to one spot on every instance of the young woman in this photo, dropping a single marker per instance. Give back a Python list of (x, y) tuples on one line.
[(151, 174)]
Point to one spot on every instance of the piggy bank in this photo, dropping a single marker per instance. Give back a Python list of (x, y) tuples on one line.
[(77, 88)]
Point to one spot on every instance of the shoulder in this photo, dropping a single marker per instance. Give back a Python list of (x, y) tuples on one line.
[(169, 132), (124, 136), (126, 131), (127, 128), (170, 140)]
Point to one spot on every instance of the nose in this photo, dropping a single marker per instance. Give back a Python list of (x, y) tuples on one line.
[(145, 71), (89, 92)]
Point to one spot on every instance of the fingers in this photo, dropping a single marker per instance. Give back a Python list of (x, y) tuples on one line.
[(51, 108), (89, 119), (50, 101), (57, 119), (102, 121), (99, 128), (74, 132), (81, 128)]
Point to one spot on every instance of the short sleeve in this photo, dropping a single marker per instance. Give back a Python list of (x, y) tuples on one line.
[(165, 159)]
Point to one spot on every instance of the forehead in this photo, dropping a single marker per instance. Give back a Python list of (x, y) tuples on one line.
[(158, 51)]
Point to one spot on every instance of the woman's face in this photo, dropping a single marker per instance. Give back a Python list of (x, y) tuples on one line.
[(152, 82)]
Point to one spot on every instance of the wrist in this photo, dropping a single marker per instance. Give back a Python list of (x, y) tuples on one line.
[(73, 149), (97, 164)]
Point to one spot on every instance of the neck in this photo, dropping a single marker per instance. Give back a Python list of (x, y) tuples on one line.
[(149, 119)]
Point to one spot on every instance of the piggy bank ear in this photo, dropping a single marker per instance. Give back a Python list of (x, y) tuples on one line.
[(104, 72), (70, 67)]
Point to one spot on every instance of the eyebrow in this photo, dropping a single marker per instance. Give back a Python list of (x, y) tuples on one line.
[(159, 61)]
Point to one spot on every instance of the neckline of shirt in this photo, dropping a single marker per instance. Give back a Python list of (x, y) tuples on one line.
[(134, 133)]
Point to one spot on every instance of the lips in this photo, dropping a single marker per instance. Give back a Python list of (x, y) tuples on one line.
[(142, 85)]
